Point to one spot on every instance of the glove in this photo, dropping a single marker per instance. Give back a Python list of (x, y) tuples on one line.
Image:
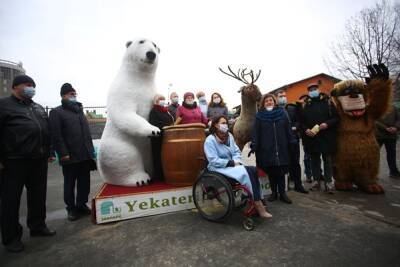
[(376, 71)]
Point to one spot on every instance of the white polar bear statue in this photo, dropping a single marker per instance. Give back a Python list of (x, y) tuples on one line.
[(124, 151)]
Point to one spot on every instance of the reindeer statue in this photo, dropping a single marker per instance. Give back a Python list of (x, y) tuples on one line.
[(250, 96)]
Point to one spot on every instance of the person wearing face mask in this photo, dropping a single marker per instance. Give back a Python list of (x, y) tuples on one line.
[(159, 117), (272, 142), (203, 105), (24, 153), (73, 144), (294, 167), (224, 156), (318, 124), (174, 104), (216, 107), (189, 112)]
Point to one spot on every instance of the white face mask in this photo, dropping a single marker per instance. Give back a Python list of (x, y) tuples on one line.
[(269, 108), (175, 99), (189, 102), (223, 128), (202, 99), (217, 100)]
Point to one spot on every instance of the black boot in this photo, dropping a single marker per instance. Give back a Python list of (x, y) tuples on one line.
[(15, 246), (301, 189), (285, 198), (273, 197)]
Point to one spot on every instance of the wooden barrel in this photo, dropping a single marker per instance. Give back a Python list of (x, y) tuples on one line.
[(181, 153)]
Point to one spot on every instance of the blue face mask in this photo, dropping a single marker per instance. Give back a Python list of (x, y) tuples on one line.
[(202, 99), (282, 101), (314, 94), (72, 99), (28, 92)]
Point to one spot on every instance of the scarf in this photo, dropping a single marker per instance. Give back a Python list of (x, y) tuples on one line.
[(189, 106), (271, 116), (222, 138), (160, 108)]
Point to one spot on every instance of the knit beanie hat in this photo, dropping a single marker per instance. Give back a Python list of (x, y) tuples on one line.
[(66, 88), (20, 79)]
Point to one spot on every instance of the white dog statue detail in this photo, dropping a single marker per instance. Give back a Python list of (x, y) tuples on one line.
[(124, 151)]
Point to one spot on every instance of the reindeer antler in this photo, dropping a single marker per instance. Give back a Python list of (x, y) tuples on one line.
[(241, 75)]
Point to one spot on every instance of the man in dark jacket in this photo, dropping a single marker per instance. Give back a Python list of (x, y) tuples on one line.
[(294, 167), (387, 129), (319, 121), (73, 144), (24, 153), (173, 106)]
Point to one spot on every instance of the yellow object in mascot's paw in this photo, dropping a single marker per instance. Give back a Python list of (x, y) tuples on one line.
[(359, 105)]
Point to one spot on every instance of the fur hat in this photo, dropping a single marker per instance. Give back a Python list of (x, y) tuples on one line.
[(20, 79), (187, 94)]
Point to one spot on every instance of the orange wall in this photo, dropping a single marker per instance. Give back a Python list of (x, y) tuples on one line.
[(294, 91)]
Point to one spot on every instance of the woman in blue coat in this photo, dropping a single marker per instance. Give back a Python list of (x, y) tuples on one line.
[(272, 140), (224, 157)]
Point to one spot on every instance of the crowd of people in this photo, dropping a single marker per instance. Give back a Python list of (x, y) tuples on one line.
[(27, 146)]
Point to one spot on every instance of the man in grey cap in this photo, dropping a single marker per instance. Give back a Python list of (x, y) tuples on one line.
[(24, 153)]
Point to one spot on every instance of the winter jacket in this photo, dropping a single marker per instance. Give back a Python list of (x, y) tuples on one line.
[(71, 134), (272, 138), (160, 117), (24, 129), (392, 119), (216, 110), (317, 111), (172, 109)]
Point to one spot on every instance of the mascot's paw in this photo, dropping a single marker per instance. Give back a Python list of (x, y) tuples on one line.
[(138, 179), (344, 186), (373, 189)]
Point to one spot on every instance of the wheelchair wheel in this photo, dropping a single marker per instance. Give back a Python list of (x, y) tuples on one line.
[(248, 224), (213, 197), (240, 198)]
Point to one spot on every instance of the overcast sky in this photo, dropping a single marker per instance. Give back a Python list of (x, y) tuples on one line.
[(83, 41)]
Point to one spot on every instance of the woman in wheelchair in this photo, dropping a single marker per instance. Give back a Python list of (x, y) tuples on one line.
[(224, 156)]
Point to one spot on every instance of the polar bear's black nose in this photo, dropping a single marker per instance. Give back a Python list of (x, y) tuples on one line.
[(151, 55)]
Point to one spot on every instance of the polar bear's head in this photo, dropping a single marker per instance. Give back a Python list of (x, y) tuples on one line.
[(142, 54)]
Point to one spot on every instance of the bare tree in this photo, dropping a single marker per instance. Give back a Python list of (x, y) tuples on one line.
[(371, 36)]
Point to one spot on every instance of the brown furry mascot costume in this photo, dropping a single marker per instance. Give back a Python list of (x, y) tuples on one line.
[(359, 105)]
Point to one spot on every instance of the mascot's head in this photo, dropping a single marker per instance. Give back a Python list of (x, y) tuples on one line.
[(350, 97), (142, 54)]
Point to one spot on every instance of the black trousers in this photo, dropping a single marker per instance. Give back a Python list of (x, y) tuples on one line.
[(79, 174), (156, 144), (390, 146), (31, 173), (294, 167), (276, 176)]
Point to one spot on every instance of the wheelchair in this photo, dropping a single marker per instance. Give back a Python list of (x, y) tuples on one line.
[(216, 196)]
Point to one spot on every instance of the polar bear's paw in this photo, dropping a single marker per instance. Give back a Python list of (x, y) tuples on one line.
[(153, 131), (138, 179)]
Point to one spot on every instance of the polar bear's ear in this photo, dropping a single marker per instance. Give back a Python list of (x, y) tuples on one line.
[(128, 44)]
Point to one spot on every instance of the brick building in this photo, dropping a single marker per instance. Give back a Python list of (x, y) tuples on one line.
[(296, 89)]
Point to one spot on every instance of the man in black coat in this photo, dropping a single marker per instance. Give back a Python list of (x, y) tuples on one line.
[(24, 153), (294, 167), (319, 120), (73, 144)]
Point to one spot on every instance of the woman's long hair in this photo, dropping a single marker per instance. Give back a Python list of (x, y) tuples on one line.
[(212, 104), (215, 121)]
